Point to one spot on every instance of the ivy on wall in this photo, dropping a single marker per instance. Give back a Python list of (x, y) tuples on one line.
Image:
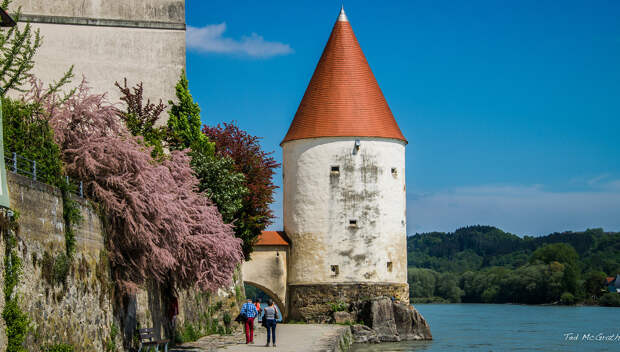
[(28, 134), (17, 322)]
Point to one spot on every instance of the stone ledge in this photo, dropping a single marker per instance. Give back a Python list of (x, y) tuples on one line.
[(30, 183), (101, 22), (311, 303)]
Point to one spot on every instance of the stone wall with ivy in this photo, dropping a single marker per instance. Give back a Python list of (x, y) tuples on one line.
[(67, 300), (70, 300)]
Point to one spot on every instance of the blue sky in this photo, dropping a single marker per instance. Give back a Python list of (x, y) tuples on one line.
[(511, 109)]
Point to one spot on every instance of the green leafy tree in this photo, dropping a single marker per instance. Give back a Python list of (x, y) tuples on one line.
[(18, 45), (594, 283), (610, 299), (567, 299), (184, 121), (217, 174), (258, 167), (30, 136), (447, 287), (422, 282), (220, 182), (562, 253), (556, 252)]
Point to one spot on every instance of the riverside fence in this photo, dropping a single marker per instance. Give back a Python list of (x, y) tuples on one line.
[(26, 167)]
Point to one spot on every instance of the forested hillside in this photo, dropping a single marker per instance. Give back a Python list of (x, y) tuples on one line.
[(486, 264)]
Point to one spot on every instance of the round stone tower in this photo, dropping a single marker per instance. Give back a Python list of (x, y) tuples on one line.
[(344, 186)]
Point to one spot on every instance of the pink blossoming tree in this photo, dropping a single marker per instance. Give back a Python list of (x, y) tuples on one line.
[(159, 227)]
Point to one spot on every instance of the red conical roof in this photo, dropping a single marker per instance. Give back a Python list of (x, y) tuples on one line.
[(343, 98)]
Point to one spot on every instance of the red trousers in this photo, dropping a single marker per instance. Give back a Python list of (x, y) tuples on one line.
[(249, 330)]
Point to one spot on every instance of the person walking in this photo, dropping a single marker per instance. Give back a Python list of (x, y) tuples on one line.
[(271, 317), (249, 310), (258, 308)]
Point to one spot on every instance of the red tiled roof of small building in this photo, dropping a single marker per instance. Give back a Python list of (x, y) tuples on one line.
[(272, 238), (343, 98)]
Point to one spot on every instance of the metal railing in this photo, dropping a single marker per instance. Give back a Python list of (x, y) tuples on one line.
[(21, 165), (27, 167)]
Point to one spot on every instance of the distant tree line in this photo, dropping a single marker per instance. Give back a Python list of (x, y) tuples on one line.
[(483, 264)]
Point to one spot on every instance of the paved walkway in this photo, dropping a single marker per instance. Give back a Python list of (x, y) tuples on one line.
[(290, 338)]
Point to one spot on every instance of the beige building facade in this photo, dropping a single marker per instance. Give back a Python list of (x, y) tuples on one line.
[(108, 40)]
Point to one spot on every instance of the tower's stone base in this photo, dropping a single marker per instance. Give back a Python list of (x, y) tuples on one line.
[(313, 303)]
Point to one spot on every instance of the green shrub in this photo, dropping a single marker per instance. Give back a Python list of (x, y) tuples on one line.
[(17, 322), (567, 299), (188, 333), (55, 270), (213, 326), (62, 266), (227, 319), (59, 347), (30, 136), (17, 326), (340, 306), (238, 294), (610, 299)]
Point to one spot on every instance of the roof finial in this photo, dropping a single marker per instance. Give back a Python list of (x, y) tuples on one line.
[(342, 16)]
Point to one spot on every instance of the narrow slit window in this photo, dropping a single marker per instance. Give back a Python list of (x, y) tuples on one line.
[(335, 270), (389, 266), (353, 223), (335, 170)]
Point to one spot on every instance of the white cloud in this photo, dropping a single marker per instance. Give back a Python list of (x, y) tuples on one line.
[(597, 180), (210, 39), (522, 210)]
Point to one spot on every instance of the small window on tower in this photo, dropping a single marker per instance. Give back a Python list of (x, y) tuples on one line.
[(389, 266), (352, 223), (335, 170), (394, 172), (335, 270)]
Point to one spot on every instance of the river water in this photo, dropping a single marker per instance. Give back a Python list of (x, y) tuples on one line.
[(501, 327)]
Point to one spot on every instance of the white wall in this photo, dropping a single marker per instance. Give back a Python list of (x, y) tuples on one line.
[(108, 40), (107, 54), (319, 205)]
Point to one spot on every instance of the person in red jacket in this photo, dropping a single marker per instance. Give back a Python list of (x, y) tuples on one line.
[(258, 309)]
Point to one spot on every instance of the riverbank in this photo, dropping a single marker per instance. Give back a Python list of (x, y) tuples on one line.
[(290, 338)]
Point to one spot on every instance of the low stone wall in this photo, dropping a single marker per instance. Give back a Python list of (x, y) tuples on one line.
[(78, 312), (312, 303)]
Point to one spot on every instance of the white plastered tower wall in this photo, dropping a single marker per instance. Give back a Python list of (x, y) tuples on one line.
[(320, 205), (108, 40)]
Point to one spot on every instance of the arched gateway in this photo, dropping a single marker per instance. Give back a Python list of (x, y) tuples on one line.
[(267, 270)]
